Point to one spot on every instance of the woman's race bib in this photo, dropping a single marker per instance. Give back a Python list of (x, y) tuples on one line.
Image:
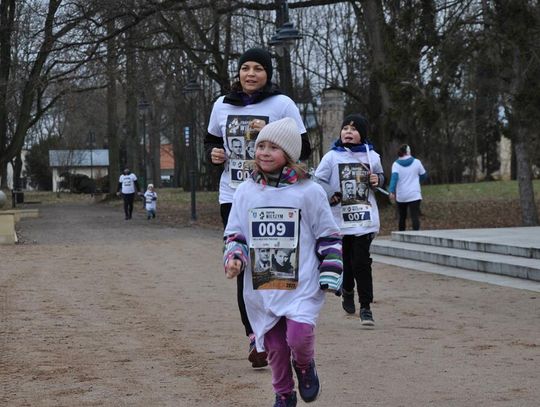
[(240, 136)]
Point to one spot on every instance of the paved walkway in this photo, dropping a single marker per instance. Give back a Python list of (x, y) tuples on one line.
[(98, 311)]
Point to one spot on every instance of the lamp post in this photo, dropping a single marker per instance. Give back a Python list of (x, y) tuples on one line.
[(282, 41), (144, 105), (91, 143), (190, 90)]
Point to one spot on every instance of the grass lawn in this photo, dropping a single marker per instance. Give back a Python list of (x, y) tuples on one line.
[(454, 206)]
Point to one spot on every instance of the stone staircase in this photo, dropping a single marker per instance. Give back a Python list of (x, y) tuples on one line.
[(513, 252)]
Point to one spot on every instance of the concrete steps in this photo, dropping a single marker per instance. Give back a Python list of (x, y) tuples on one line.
[(513, 252)]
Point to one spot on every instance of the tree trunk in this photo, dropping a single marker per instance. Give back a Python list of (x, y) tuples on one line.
[(374, 22), (7, 16), (132, 144), (3, 175), (17, 169), (529, 213), (154, 137), (112, 110)]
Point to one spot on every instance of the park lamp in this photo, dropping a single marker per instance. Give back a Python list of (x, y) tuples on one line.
[(192, 88), (286, 35), (284, 38), (143, 107)]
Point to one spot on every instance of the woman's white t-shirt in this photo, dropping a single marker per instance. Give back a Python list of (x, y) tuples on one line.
[(225, 117), (128, 183)]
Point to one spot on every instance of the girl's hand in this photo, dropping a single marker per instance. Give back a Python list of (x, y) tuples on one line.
[(217, 155), (374, 180), (233, 268), (392, 197)]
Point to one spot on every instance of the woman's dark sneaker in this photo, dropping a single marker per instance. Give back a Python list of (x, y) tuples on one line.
[(257, 359), (347, 302)]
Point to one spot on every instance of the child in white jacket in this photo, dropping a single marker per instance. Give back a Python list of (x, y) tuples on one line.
[(150, 202), (353, 169)]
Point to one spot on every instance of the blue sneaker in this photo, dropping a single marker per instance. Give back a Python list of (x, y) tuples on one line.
[(285, 401), (366, 317), (308, 382)]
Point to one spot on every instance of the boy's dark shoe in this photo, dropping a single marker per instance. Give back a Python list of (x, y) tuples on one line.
[(286, 401), (257, 359), (347, 302), (308, 382), (366, 317)]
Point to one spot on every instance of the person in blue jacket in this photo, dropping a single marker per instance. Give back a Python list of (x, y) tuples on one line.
[(407, 173)]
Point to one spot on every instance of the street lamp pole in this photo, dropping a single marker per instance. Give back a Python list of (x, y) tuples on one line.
[(91, 140), (190, 90), (143, 107), (282, 41)]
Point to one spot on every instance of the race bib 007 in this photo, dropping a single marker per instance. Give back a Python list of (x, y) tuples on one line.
[(355, 206), (274, 247)]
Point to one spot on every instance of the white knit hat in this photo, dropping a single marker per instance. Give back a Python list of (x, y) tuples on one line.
[(285, 134)]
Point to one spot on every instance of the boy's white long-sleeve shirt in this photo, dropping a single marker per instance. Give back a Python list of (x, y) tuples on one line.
[(328, 172), (303, 304)]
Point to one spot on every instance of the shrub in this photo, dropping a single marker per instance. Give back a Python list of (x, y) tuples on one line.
[(77, 183)]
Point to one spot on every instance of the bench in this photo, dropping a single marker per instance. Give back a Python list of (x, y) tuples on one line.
[(7, 228)]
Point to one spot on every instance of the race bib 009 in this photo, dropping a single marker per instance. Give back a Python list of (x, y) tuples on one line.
[(274, 247)]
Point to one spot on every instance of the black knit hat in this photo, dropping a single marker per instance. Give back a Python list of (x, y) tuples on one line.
[(260, 56), (360, 123)]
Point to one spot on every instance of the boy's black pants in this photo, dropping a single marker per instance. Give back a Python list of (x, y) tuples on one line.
[(357, 267)]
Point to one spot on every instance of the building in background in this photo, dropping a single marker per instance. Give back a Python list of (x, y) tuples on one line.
[(92, 163)]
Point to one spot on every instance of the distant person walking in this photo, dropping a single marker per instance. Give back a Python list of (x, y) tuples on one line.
[(150, 202), (127, 187), (407, 173)]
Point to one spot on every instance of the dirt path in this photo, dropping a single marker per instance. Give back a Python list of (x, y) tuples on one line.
[(98, 311)]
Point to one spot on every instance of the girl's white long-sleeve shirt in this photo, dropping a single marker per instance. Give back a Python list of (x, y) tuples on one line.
[(302, 304)]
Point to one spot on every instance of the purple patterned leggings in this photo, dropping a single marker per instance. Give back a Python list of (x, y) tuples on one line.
[(288, 338)]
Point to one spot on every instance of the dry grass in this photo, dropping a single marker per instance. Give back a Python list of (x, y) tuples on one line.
[(456, 206)]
